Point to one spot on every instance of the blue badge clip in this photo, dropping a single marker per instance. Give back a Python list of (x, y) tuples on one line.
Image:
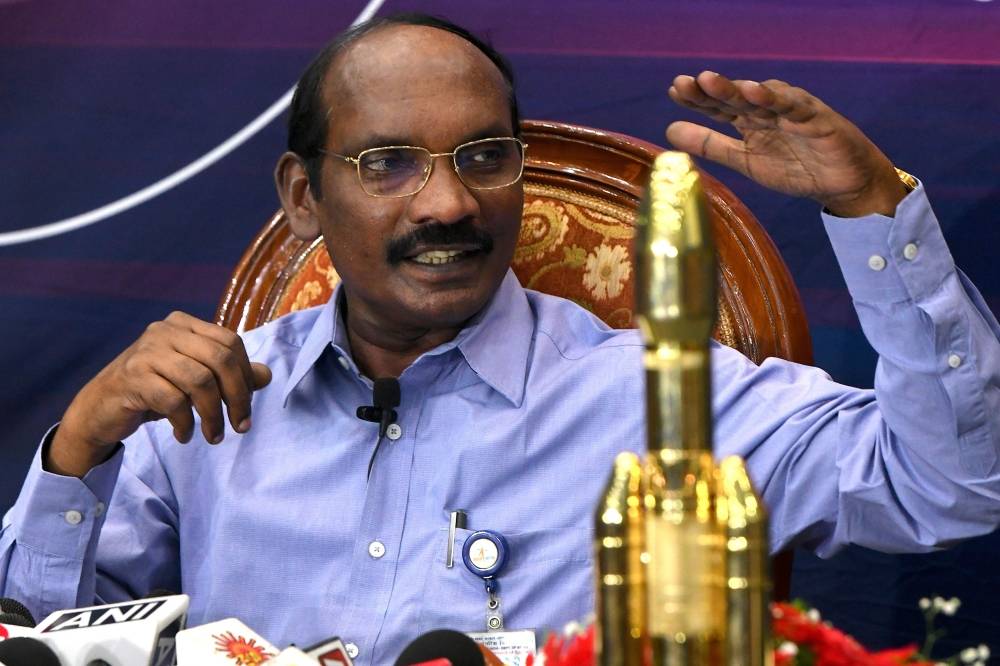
[(485, 553)]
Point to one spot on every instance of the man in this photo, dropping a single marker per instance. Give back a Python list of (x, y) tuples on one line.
[(513, 403)]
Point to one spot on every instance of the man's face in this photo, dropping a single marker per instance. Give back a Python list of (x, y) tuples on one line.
[(416, 86)]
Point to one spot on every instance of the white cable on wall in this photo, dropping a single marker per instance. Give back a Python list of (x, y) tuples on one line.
[(173, 180)]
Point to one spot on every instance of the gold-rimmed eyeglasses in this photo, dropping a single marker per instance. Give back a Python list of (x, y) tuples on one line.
[(401, 171)]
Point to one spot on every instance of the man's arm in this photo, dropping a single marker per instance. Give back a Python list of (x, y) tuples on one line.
[(912, 465), (109, 536), (82, 508)]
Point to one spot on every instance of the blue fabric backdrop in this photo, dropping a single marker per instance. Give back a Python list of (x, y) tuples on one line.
[(100, 98)]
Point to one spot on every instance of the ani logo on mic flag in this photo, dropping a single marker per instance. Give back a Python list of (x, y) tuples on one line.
[(243, 651)]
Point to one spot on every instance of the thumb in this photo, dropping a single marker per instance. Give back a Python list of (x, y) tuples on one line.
[(261, 375), (703, 142)]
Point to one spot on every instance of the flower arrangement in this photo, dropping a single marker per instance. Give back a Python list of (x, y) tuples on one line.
[(803, 639)]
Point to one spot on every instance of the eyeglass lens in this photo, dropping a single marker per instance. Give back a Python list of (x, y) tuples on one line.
[(401, 171)]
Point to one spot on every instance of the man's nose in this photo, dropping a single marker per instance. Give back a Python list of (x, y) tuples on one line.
[(445, 198)]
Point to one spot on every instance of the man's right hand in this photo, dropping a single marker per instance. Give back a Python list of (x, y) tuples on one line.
[(177, 364)]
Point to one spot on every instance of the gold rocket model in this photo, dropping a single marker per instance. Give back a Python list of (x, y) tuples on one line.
[(699, 556)]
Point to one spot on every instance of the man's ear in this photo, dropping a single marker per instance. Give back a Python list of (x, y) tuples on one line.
[(292, 181)]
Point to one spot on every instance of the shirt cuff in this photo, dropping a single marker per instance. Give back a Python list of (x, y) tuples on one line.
[(892, 259), (59, 515)]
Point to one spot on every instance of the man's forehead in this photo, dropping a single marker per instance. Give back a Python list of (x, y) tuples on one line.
[(398, 64)]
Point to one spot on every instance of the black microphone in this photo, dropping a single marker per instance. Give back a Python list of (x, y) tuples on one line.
[(13, 611), (454, 646), (24, 651), (385, 396)]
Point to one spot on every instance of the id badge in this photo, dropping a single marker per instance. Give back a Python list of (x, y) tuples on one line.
[(511, 647)]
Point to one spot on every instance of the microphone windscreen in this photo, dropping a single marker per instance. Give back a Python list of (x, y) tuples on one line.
[(385, 393), (454, 646), (17, 608), (27, 652), (16, 619)]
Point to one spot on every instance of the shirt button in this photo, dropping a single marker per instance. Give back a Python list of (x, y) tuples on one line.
[(73, 517), (394, 431), (876, 263), (376, 549), (954, 360), (99, 509), (910, 251), (352, 650)]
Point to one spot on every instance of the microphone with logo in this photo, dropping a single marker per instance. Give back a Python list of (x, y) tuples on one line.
[(133, 633), (385, 398)]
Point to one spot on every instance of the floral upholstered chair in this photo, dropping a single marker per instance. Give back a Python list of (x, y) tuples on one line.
[(582, 190)]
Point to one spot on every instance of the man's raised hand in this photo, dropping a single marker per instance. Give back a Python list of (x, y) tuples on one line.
[(178, 365), (789, 141)]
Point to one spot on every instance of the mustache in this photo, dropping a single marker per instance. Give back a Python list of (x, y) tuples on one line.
[(435, 233)]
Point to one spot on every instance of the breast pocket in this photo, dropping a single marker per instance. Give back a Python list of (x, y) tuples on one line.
[(546, 583)]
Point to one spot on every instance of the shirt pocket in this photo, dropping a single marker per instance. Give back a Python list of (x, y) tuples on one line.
[(547, 582)]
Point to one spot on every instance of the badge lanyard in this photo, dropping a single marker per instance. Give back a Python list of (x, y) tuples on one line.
[(485, 553)]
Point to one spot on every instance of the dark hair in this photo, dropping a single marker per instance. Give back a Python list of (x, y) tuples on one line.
[(307, 117)]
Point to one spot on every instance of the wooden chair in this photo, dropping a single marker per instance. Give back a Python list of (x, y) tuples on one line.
[(582, 190)]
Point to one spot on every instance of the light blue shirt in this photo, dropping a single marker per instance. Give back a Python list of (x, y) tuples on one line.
[(517, 421)]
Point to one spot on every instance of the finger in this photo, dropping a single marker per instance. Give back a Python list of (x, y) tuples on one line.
[(712, 111), (794, 104), (261, 375), (712, 145), (226, 365), (722, 90), (198, 383), (220, 334), (166, 400)]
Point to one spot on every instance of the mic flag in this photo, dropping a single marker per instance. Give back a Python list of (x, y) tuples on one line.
[(330, 652), (125, 634), (292, 656), (226, 642)]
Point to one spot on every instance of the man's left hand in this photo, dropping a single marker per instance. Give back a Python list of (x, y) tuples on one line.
[(790, 142)]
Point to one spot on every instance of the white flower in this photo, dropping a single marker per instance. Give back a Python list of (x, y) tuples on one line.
[(813, 615), (938, 603), (788, 648), (969, 655), (984, 651), (608, 269), (924, 603), (950, 607), (572, 629)]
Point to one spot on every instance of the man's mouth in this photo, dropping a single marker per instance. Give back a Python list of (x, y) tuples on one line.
[(435, 257), (436, 244)]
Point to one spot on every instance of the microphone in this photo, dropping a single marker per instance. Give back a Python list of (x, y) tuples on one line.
[(446, 646), (385, 397), (132, 633), (330, 652), (13, 611), (25, 651), (225, 642)]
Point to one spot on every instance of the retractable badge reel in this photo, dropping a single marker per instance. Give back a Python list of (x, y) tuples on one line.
[(485, 554)]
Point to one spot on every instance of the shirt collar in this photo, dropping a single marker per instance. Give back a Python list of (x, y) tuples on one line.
[(495, 343)]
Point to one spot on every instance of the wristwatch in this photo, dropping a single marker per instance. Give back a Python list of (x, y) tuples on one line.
[(909, 182)]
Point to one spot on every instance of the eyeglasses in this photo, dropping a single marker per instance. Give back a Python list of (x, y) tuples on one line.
[(401, 171)]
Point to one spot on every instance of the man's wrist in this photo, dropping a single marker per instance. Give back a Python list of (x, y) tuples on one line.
[(881, 198), (67, 455)]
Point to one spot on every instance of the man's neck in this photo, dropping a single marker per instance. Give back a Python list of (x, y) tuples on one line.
[(383, 352)]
